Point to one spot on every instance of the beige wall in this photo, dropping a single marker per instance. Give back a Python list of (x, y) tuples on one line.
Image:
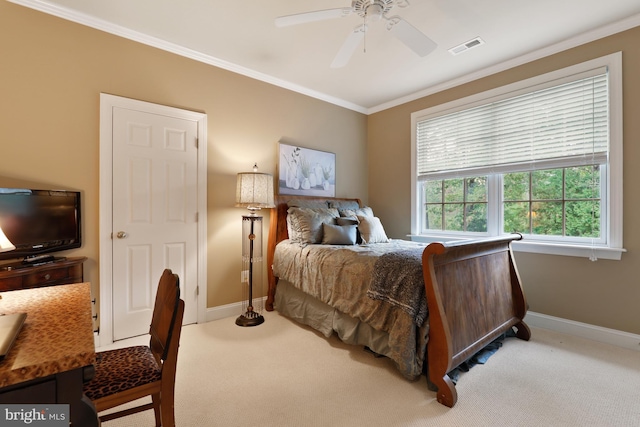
[(51, 75), (603, 293)]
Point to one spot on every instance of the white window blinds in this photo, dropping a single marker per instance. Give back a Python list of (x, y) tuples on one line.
[(567, 120)]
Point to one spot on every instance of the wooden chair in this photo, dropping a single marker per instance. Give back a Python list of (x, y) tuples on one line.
[(124, 375)]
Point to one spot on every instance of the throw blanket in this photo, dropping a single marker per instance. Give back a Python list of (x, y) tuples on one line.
[(398, 280)]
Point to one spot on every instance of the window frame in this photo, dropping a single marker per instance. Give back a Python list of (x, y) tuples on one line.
[(611, 177)]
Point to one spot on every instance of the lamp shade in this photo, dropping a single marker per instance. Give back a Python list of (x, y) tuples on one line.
[(5, 244), (254, 190)]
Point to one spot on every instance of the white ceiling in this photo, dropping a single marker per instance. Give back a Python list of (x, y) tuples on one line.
[(241, 36)]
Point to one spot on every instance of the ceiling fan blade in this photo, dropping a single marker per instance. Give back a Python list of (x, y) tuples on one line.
[(348, 47), (318, 15), (411, 36)]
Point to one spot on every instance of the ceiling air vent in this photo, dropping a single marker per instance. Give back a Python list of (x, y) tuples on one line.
[(466, 46)]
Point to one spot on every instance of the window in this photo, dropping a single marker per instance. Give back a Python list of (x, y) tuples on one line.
[(553, 202), (457, 204), (542, 157)]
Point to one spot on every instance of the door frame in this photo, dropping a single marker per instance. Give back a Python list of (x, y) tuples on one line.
[(107, 103)]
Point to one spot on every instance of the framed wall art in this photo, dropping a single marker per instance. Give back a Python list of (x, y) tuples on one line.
[(306, 172)]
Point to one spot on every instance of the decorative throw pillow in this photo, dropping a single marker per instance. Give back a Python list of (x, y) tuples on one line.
[(293, 227), (371, 230), (306, 223), (350, 220), (292, 230), (347, 220), (344, 204), (339, 234), (363, 211)]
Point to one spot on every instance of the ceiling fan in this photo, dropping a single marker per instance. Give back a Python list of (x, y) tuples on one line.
[(371, 11)]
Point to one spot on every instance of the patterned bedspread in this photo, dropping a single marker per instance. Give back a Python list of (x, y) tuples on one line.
[(341, 276)]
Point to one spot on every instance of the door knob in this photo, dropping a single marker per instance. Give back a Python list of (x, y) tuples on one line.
[(121, 234)]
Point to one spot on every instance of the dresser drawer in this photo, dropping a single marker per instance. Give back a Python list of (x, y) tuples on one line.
[(62, 271), (47, 277)]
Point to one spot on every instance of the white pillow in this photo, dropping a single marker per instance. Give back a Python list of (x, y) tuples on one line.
[(371, 230)]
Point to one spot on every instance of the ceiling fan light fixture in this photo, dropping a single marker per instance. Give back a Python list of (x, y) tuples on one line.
[(374, 12), (372, 9)]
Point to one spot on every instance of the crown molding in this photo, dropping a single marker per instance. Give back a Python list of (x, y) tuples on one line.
[(584, 38), (120, 31), (108, 27)]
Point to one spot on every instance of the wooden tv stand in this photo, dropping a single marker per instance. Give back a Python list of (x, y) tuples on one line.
[(60, 271)]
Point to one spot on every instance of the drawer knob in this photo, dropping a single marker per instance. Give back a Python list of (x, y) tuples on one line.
[(47, 276)]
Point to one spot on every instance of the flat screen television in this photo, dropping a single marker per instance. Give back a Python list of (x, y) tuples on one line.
[(39, 222)]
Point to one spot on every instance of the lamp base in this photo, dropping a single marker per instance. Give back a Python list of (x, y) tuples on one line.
[(250, 318)]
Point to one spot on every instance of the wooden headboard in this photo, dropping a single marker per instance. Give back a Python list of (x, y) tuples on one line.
[(278, 232)]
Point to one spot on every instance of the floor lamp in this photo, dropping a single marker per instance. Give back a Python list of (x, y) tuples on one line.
[(254, 191)]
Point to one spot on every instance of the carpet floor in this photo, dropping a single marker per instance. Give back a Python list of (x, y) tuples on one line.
[(284, 374)]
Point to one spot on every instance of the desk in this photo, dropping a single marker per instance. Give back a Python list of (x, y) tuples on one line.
[(54, 353)]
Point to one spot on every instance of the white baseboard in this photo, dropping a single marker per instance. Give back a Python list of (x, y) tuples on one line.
[(570, 327), (584, 330)]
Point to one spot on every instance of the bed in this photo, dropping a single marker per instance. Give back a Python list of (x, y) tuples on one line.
[(472, 289)]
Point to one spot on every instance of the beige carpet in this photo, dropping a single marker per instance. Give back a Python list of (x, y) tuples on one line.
[(283, 374)]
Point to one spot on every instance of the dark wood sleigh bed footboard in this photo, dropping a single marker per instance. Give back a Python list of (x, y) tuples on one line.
[(473, 293), (483, 274)]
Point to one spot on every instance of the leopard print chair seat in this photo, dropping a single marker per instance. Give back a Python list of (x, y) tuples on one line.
[(122, 369)]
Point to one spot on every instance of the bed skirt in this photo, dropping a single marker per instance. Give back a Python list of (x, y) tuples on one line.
[(307, 310)]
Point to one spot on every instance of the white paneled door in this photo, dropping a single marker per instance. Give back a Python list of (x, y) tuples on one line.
[(155, 163)]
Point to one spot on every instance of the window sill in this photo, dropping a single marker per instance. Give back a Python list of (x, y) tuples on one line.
[(594, 253)]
